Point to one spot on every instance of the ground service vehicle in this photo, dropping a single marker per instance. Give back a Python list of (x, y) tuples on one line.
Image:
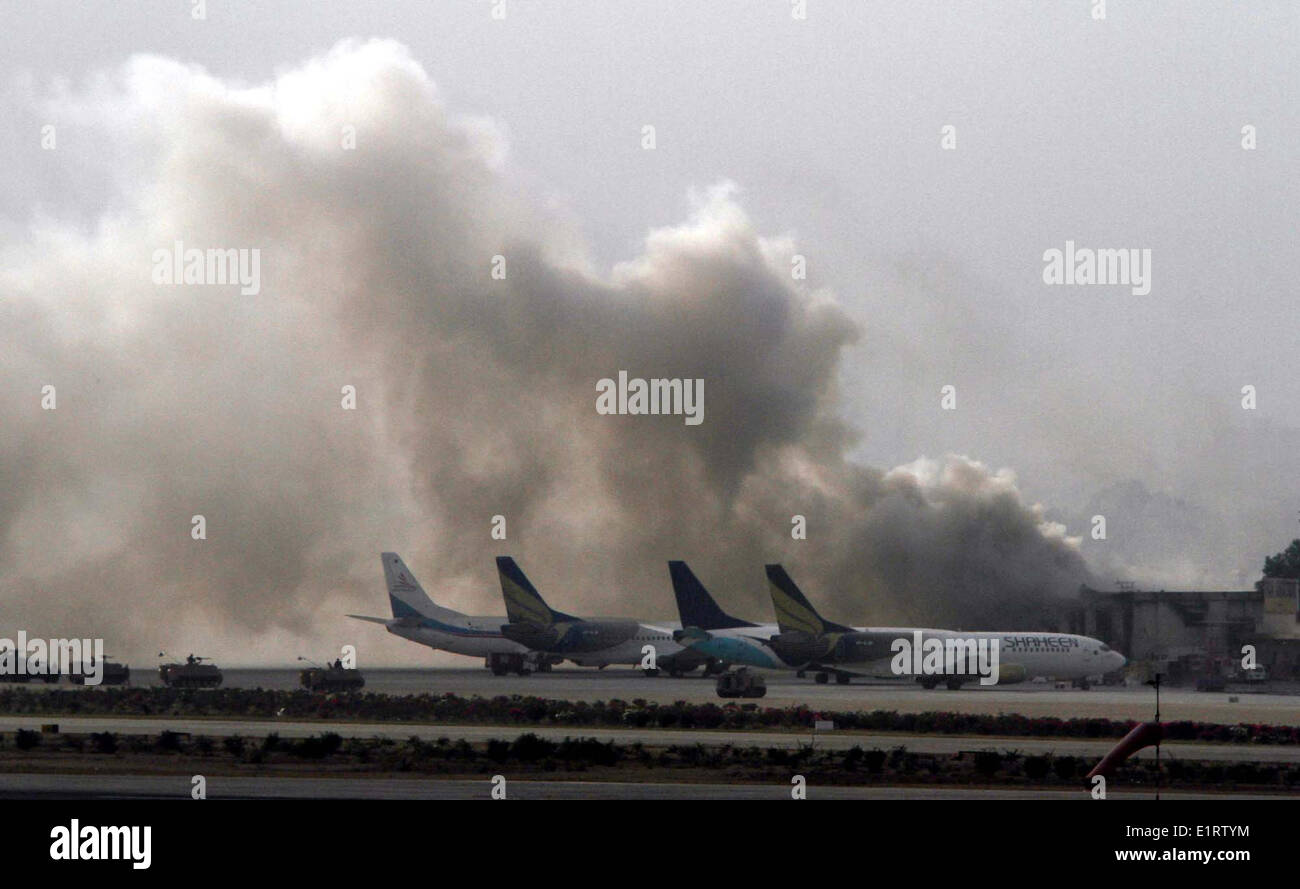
[(741, 684)]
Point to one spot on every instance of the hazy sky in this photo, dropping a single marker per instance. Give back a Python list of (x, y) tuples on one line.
[(523, 136)]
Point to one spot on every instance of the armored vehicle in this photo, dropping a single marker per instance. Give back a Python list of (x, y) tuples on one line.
[(191, 674), (334, 677), (113, 674)]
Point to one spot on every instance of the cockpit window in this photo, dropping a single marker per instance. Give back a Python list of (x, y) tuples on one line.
[(1105, 648)]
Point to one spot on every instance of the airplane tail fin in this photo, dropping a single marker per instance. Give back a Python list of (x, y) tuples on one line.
[(794, 613), (694, 604), (405, 594), (523, 603)]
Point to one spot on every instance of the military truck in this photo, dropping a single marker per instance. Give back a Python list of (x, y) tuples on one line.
[(191, 674)]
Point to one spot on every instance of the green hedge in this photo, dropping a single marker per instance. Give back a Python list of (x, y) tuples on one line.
[(528, 710)]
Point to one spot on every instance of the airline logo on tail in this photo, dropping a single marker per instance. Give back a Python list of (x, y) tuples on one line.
[(405, 594), (794, 614), (402, 584), (523, 603)]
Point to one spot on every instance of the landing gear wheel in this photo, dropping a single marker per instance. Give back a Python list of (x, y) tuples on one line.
[(928, 683), (841, 678), (822, 678), (954, 684), (650, 672)]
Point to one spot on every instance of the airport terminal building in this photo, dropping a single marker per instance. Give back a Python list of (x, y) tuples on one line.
[(1191, 635)]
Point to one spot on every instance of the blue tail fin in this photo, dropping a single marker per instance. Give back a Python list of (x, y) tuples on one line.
[(694, 604)]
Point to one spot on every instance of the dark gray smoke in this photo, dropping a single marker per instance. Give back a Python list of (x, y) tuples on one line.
[(476, 396)]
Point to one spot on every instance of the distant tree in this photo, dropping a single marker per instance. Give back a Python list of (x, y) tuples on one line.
[(1285, 563)]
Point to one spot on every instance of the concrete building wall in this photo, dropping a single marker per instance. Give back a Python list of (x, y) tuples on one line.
[(1280, 616), (1181, 633)]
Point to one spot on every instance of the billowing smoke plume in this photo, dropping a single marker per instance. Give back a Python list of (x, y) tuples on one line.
[(475, 394)]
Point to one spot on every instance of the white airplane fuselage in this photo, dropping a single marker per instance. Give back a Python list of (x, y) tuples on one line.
[(631, 651), (1063, 656), (470, 635), (480, 636)]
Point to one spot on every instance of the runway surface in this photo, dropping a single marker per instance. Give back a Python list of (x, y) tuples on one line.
[(1029, 699), (835, 740), (31, 787), (1112, 702)]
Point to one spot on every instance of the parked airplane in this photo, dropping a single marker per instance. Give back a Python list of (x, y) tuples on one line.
[(420, 619), (803, 640), (1014, 656), (710, 630), (588, 642)]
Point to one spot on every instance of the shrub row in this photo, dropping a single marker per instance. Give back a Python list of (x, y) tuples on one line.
[(528, 710), (529, 753)]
